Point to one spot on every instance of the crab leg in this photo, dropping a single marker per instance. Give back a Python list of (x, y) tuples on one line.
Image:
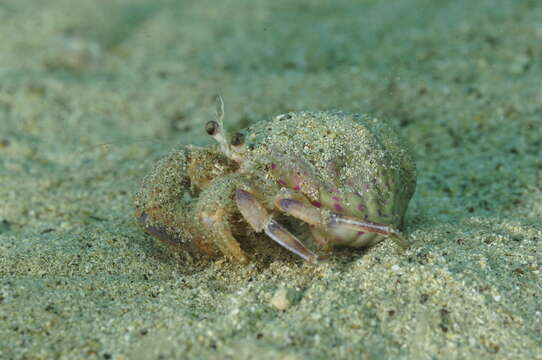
[(260, 220), (315, 216), (287, 240)]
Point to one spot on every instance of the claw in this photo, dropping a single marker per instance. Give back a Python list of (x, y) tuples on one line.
[(161, 232), (157, 231), (219, 229)]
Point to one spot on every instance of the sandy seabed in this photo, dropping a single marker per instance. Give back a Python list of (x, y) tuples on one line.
[(91, 95)]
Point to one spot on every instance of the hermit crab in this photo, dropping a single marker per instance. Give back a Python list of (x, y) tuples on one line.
[(346, 178)]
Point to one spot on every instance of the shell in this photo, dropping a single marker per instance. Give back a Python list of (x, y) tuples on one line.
[(361, 160)]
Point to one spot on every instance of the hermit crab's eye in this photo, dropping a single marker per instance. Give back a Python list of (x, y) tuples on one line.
[(212, 127), (237, 139)]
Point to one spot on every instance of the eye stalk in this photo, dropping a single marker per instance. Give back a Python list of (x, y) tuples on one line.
[(238, 139), (233, 149), (212, 127)]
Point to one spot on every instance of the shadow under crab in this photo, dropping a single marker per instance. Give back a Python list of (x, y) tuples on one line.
[(347, 176)]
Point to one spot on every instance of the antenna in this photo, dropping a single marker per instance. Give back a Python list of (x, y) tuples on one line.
[(219, 110)]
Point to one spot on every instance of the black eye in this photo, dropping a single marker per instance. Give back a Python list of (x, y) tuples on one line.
[(212, 127), (237, 139)]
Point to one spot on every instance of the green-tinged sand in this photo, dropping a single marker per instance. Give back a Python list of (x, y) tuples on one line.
[(460, 79)]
